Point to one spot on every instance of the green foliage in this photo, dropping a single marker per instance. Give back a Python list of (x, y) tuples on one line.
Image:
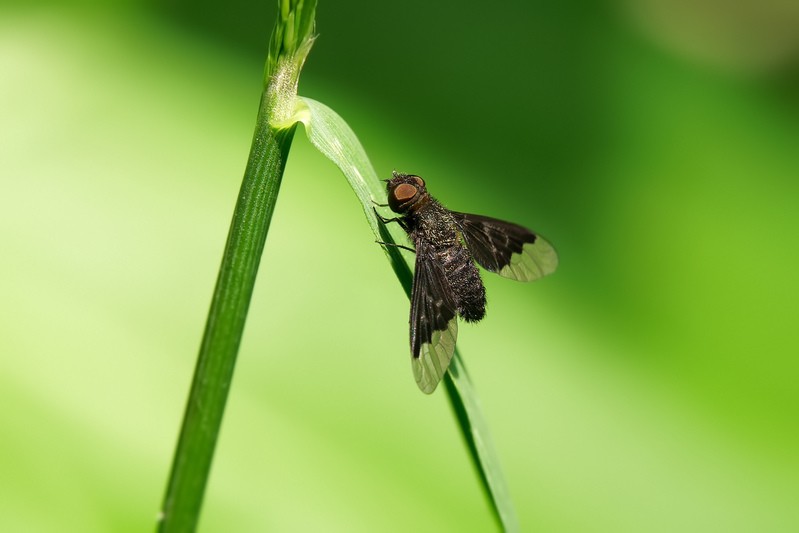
[(279, 112), (331, 135), (650, 385), (292, 36)]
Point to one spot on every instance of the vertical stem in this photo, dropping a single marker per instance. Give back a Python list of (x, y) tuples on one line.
[(292, 38), (225, 325)]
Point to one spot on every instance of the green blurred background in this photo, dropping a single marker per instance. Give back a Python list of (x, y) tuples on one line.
[(650, 385)]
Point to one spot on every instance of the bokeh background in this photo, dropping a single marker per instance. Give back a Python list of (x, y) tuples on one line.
[(650, 385)]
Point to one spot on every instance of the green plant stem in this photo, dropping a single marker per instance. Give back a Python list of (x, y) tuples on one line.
[(225, 325), (292, 38)]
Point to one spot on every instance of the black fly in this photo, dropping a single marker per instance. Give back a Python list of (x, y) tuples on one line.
[(446, 282)]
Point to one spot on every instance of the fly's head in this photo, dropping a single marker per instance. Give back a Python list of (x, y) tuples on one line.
[(406, 193)]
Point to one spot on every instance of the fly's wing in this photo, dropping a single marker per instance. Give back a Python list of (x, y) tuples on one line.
[(434, 326), (510, 250)]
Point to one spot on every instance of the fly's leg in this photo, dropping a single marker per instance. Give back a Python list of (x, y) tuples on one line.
[(396, 246), (385, 220)]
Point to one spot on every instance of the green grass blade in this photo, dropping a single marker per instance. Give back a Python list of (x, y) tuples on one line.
[(331, 135), (466, 405), (291, 42)]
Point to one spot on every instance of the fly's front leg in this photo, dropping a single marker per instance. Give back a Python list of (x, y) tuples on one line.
[(385, 220)]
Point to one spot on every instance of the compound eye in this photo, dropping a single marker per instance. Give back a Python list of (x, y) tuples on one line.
[(404, 192), (419, 181)]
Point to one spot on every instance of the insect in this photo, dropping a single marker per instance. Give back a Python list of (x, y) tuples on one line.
[(446, 282)]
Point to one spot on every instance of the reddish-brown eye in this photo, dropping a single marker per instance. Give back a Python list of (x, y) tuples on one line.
[(404, 192), (419, 180)]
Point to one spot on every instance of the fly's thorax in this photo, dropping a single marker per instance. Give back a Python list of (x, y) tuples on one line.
[(435, 224)]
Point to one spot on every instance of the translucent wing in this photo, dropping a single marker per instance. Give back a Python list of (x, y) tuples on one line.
[(510, 250), (434, 326)]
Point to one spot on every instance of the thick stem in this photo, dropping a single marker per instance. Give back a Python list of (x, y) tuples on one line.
[(225, 325)]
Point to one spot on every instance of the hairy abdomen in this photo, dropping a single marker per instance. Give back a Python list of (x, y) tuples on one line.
[(465, 281)]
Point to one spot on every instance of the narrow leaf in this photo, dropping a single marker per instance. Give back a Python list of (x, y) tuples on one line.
[(331, 135)]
